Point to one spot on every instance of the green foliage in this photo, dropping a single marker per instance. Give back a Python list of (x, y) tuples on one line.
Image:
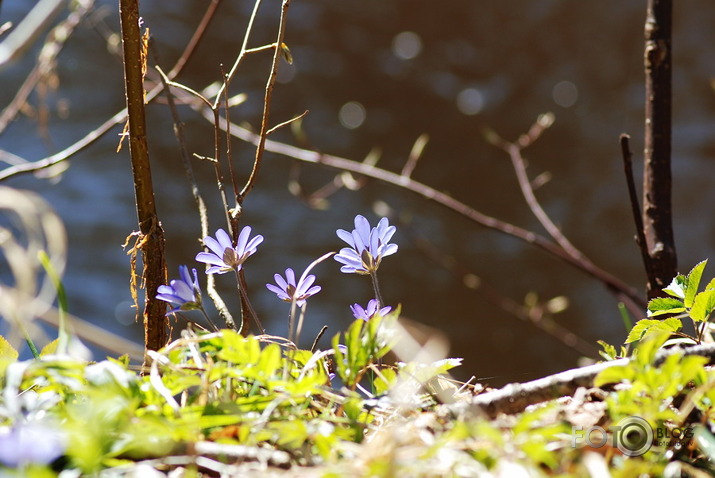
[(685, 301), (365, 343)]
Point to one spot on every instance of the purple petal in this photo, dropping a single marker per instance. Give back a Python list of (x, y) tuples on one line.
[(389, 250), (346, 236), (224, 240), (290, 277), (218, 269), (253, 244), (243, 239), (281, 282), (279, 292), (210, 258), (362, 227), (183, 290), (214, 246), (313, 290)]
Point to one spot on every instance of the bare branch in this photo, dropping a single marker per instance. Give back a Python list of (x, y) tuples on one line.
[(120, 117), (515, 397), (152, 242), (614, 284), (267, 103)]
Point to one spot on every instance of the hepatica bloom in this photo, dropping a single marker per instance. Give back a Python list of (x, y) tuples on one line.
[(370, 311), (367, 246), (185, 292), (30, 443), (287, 289), (223, 256)]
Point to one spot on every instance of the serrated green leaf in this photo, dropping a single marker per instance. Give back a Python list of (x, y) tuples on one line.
[(677, 287), (703, 305), (665, 305), (646, 326), (7, 351), (711, 285), (694, 282)]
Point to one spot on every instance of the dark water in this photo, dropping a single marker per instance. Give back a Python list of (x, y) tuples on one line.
[(378, 74)]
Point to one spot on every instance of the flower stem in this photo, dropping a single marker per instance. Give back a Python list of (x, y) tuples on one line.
[(376, 287), (247, 304), (208, 319)]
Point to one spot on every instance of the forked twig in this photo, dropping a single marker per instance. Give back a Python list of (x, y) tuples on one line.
[(121, 116), (611, 282)]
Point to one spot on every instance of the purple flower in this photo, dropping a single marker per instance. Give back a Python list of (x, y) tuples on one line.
[(223, 256), (367, 246), (184, 293), (30, 443), (288, 290), (370, 311)]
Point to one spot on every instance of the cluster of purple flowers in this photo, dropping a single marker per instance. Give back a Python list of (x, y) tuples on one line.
[(368, 246)]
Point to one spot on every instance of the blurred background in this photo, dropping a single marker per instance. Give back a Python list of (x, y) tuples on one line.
[(375, 75)]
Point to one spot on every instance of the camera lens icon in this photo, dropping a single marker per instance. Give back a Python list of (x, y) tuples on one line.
[(633, 436)]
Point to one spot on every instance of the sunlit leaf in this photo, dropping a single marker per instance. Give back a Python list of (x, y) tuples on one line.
[(7, 351), (677, 287), (645, 326), (665, 305), (703, 306), (693, 282)]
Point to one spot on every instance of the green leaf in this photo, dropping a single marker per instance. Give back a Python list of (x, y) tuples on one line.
[(711, 285), (694, 282), (703, 305), (7, 351), (649, 346), (646, 326), (615, 374), (665, 305), (677, 287), (50, 348)]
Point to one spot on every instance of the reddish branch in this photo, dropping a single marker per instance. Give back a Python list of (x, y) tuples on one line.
[(152, 235)]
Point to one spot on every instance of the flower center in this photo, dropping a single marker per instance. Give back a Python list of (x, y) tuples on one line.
[(230, 258)]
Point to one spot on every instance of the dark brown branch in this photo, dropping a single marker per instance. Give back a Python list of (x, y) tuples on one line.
[(154, 275), (635, 205), (515, 397), (657, 208)]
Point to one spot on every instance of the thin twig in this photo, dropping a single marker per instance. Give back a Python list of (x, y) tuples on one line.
[(198, 198), (314, 347), (120, 117), (534, 316), (611, 282), (54, 44), (241, 55), (635, 205), (260, 147), (286, 123), (415, 154)]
